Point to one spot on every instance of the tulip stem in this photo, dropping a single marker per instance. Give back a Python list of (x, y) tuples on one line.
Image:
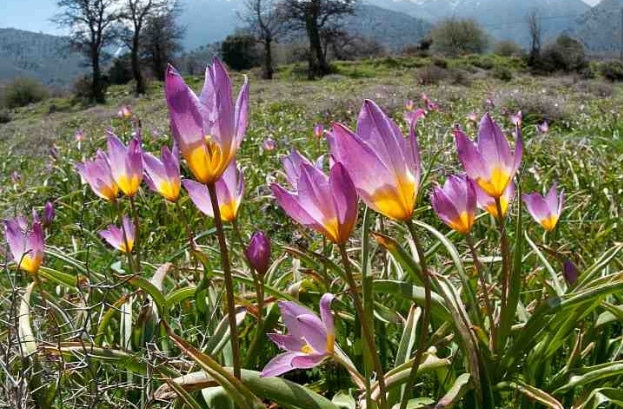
[(425, 314), (137, 234), (505, 254), (125, 238), (229, 284), (485, 291), (365, 325)]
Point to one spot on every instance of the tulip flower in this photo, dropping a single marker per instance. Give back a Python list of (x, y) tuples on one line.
[(292, 166), (79, 135), (98, 175), (545, 210), (327, 204), (472, 117), (489, 163), (543, 127), (269, 144), (570, 272), (16, 177), (229, 191), (309, 340), (384, 166), (455, 203), (126, 164), (26, 245), (258, 252), (121, 239), (124, 112), (487, 203), (48, 214), (318, 131), (516, 118), (163, 176), (209, 128), (410, 105)]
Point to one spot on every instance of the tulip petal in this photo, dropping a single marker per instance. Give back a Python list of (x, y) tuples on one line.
[(325, 311), (200, 196), (469, 156), (314, 332), (287, 342), (492, 143), (345, 200), (286, 362), (290, 311), (290, 203), (184, 111)]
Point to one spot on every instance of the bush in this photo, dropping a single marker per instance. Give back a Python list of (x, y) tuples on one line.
[(5, 116), (83, 91), (120, 73), (611, 70), (431, 75), (507, 49), (240, 52), (23, 91), (456, 36), (566, 54), (460, 76), (502, 73)]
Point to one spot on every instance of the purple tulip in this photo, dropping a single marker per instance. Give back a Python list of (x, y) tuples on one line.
[(325, 204), (292, 166), (16, 177), (487, 203), (27, 245), (414, 115), (472, 117), (124, 112), (115, 236), (229, 191), (409, 105), (570, 272), (269, 144), (383, 165), (318, 131), (543, 127), (79, 135), (48, 214), (309, 340), (126, 164), (490, 163), (98, 175), (455, 203), (545, 210), (258, 252), (163, 176), (516, 118), (209, 128)]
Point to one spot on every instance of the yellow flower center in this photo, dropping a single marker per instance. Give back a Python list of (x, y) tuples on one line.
[(330, 343), (229, 210), (463, 223), (549, 222), (307, 349), (170, 191), (493, 210), (396, 202), (109, 192), (496, 184), (30, 264), (207, 162), (129, 185), (128, 248)]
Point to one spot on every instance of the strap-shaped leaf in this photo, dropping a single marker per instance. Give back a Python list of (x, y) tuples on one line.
[(532, 393)]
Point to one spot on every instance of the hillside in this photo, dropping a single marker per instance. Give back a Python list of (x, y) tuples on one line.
[(600, 28), (41, 56)]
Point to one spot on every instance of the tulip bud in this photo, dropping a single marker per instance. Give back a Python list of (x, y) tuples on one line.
[(258, 252), (570, 272), (48, 214)]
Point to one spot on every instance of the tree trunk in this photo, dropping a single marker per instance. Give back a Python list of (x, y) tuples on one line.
[(267, 73), (97, 86), (136, 65), (318, 66)]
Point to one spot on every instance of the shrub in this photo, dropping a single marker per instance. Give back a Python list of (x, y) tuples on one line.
[(23, 91), (484, 62), (83, 90), (502, 73), (240, 52), (440, 62), (120, 72), (566, 54), (431, 75), (507, 48), (611, 70), (5, 116), (456, 36), (460, 76)]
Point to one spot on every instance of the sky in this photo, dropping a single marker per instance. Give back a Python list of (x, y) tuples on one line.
[(35, 15)]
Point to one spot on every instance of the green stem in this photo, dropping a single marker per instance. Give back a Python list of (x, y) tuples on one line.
[(137, 234), (229, 284), (425, 315), (125, 238), (365, 327), (485, 291), (505, 260)]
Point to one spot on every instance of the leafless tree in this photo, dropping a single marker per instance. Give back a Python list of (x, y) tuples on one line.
[(160, 40), (313, 16), (535, 29), (91, 23), (266, 21), (135, 14)]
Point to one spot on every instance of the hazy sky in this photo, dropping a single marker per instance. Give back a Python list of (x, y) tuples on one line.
[(34, 15)]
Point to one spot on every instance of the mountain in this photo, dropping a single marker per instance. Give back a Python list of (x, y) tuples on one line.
[(502, 19), (599, 29), (41, 56), (212, 21)]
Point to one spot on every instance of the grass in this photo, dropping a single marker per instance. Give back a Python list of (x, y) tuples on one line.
[(583, 152)]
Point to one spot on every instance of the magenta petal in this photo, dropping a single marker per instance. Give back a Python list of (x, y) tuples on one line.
[(287, 342), (279, 365), (552, 199), (345, 199), (242, 112), (492, 143), (382, 134), (518, 150), (290, 203), (185, 114), (290, 311), (16, 238), (536, 206), (199, 195), (314, 332), (292, 166), (325, 312), (308, 361), (469, 156)]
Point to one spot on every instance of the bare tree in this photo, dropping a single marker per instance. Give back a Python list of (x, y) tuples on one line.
[(313, 16), (266, 22), (534, 27), (160, 40), (136, 13), (91, 23)]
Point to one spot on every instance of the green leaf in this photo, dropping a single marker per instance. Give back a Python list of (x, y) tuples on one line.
[(592, 374), (532, 393), (25, 332), (461, 386), (405, 347)]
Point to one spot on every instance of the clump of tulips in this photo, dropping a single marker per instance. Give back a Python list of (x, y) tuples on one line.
[(379, 164)]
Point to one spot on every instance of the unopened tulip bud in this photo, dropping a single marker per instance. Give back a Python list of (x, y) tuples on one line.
[(258, 252)]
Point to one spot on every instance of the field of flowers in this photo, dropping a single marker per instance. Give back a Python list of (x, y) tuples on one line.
[(355, 242)]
